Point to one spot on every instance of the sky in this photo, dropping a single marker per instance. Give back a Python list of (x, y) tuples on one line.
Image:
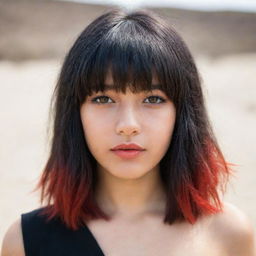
[(205, 5)]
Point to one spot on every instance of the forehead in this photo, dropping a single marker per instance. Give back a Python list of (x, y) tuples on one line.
[(109, 82), (109, 79)]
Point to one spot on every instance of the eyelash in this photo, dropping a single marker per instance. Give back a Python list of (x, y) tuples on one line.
[(100, 97)]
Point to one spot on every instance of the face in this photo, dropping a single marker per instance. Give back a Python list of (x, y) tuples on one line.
[(145, 118)]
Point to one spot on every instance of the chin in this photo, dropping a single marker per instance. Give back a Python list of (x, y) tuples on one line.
[(128, 174)]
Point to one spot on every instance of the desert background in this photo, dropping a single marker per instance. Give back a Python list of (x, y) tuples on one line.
[(34, 38)]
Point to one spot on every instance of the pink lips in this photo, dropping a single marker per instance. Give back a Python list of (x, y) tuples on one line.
[(128, 151), (128, 146)]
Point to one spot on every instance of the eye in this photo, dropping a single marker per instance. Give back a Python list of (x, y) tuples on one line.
[(155, 99), (152, 99), (100, 99)]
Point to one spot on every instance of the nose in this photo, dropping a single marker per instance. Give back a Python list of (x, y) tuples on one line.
[(128, 124)]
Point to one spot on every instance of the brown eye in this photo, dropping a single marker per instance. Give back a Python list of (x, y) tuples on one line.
[(100, 100), (155, 99), (152, 100)]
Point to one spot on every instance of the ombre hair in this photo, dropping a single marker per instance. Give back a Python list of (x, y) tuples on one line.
[(134, 46)]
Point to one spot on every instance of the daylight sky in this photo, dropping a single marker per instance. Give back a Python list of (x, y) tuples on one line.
[(208, 5)]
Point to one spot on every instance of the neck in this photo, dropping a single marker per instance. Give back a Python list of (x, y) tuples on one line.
[(130, 197)]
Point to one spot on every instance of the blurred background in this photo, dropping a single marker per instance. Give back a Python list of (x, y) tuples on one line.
[(35, 35)]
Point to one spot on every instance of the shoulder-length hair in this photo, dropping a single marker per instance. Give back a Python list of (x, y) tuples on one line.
[(134, 45)]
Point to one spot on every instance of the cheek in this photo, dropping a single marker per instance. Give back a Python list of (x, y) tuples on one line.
[(162, 129), (95, 130), (162, 123), (153, 122)]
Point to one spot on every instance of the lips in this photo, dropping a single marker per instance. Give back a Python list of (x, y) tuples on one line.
[(131, 146), (128, 151)]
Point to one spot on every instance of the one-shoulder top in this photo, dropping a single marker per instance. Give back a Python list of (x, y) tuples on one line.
[(53, 238)]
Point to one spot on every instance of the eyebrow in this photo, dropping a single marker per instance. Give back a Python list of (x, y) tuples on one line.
[(153, 87)]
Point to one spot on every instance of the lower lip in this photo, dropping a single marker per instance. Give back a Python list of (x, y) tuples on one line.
[(127, 154)]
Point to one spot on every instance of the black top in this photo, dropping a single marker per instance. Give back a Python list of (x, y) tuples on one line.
[(53, 238)]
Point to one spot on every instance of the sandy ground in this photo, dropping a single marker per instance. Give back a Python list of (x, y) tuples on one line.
[(230, 88)]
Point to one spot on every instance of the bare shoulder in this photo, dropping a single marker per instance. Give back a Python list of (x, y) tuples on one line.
[(13, 240), (234, 231)]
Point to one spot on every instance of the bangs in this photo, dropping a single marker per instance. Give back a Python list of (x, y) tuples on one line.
[(133, 56), (134, 48)]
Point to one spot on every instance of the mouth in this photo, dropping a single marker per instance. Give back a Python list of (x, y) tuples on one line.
[(130, 146), (130, 149), (128, 153)]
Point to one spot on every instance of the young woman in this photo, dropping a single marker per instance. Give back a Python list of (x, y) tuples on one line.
[(134, 167)]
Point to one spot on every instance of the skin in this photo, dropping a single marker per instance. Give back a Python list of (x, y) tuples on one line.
[(129, 187), (130, 191)]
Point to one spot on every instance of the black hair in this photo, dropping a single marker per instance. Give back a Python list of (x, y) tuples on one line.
[(133, 46)]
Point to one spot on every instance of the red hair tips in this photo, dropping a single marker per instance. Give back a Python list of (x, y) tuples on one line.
[(199, 195), (68, 197), (193, 167), (73, 201)]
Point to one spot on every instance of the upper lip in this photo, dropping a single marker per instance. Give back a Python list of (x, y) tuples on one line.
[(127, 146)]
